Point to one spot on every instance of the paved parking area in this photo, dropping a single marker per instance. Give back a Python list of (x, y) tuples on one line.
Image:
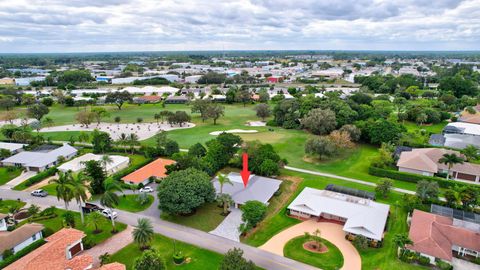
[(229, 226), (330, 231)]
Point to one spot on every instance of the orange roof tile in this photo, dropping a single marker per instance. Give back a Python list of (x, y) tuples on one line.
[(52, 256), (155, 168), (113, 266), (435, 235)]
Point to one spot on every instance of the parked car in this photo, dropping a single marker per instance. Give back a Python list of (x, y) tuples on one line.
[(109, 213), (146, 189), (39, 193)]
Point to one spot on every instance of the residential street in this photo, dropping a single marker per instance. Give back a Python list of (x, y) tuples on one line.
[(199, 238)]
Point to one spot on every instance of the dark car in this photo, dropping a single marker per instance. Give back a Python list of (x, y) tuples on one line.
[(39, 193)]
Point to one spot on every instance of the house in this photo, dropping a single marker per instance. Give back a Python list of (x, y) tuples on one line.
[(19, 238), (441, 237), (359, 216), (259, 188), (42, 159), (154, 169), (77, 164), (462, 128), (62, 251), (275, 79), (192, 79), (147, 99), (425, 161), (12, 147), (457, 141), (176, 100)]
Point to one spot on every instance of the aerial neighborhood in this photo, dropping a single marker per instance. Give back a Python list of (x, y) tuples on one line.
[(274, 161)]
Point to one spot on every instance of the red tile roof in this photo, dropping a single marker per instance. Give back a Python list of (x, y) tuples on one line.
[(52, 255), (155, 168), (435, 235), (113, 266), (150, 98)]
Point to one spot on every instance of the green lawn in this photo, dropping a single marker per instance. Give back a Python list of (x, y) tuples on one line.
[(433, 128), (373, 258), (206, 218), (131, 204), (200, 259), (55, 224), (51, 189), (6, 204), (330, 260), (8, 173)]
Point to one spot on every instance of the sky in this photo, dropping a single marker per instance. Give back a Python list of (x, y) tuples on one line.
[(170, 25)]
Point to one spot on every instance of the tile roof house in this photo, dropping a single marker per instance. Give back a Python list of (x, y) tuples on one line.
[(62, 251), (259, 188), (148, 99), (19, 238), (153, 169), (360, 216), (424, 161), (40, 160), (436, 236)]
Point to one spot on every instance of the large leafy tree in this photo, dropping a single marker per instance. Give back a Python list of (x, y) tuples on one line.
[(320, 122), (252, 213), (96, 173), (37, 111), (119, 98), (101, 141), (184, 191), (233, 260)]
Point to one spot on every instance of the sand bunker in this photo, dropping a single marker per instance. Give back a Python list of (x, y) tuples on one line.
[(215, 133), (256, 124), (143, 130)]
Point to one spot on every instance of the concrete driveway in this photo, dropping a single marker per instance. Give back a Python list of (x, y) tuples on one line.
[(229, 226), (330, 231)]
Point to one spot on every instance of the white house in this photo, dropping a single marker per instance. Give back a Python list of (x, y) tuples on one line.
[(77, 164), (360, 216), (12, 147), (40, 160), (19, 238)]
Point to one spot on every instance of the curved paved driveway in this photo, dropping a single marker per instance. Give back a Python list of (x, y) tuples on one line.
[(330, 231)]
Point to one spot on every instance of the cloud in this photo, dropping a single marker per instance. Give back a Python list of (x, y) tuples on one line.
[(123, 25)]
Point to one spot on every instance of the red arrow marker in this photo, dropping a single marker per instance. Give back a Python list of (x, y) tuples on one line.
[(245, 173)]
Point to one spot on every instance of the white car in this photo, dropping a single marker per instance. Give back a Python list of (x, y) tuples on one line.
[(109, 214), (146, 189)]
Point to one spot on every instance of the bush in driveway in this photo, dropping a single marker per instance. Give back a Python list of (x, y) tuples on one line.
[(252, 213), (182, 192)]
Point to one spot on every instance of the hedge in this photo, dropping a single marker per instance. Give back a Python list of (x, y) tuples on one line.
[(36, 178), (21, 253), (413, 178)]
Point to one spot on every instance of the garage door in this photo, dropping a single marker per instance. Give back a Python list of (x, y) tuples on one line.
[(464, 176)]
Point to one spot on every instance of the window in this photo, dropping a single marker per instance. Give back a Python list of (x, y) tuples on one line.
[(34, 237)]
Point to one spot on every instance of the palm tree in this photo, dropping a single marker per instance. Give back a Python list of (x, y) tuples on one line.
[(133, 141), (471, 152), (110, 198), (13, 210), (63, 187), (143, 233), (33, 210), (105, 160), (122, 140), (225, 200), (401, 240), (95, 219), (79, 190), (222, 180), (450, 160)]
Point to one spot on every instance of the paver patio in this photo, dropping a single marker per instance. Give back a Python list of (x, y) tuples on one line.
[(330, 231)]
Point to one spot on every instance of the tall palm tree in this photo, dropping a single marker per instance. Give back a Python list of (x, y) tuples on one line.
[(63, 187), (95, 219), (110, 198), (143, 233), (122, 140), (105, 160), (222, 180), (133, 140), (80, 189), (450, 160)]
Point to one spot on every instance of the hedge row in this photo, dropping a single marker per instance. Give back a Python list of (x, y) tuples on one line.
[(36, 178), (21, 253), (413, 178)]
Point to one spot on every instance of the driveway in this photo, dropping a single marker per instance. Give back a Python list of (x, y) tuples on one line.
[(19, 179), (459, 264), (111, 245), (229, 226), (330, 231)]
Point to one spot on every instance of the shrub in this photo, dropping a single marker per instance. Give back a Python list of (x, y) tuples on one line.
[(40, 176), (7, 253), (360, 242), (443, 265), (422, 260), (47, 232)]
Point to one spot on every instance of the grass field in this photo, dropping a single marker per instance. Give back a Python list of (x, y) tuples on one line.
[(330, 260), (372, 258), (199, 258), (206, 218), (8, 173), (6, 204), (131, 204)]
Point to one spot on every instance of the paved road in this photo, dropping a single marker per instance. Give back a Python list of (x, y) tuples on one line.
[(199, 238), (345, 179)]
